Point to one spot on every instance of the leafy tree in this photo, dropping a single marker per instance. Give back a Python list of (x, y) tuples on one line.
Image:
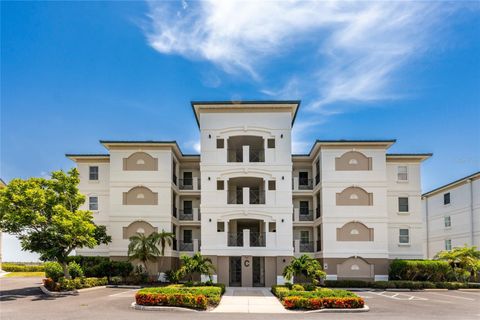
[(306, 266), (143, 248), (44, 214), (463, 260), (163, 239), (196, 264)]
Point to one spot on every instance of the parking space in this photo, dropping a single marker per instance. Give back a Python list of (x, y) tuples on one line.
[(21, 299)]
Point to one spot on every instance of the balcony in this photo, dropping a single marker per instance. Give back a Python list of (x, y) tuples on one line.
[(189, 184), (189, 214), (303, 246), (174, 179), (235, 196), (174, 212), (246, 190), (317, 179), (189, 246), (318, 213), (319, 245), (301, 184), (245, 149), (302, 214), (257, 197), (257, 239)]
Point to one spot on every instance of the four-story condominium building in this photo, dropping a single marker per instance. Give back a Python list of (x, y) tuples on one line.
[(250, 205)]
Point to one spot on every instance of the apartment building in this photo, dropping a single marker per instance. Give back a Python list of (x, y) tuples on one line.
[(250, 205), (452, 215)]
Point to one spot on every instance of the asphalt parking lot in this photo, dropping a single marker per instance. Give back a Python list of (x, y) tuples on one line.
[(20, 298)]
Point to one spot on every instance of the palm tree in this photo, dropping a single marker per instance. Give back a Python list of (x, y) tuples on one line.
[(465, 261), (306, 266), (164, 238), (143, 248), (197, 264)]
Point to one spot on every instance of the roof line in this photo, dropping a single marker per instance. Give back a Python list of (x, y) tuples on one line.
[(87, 155), (409, 154), (450, 184), (348, 141), (194, 102)]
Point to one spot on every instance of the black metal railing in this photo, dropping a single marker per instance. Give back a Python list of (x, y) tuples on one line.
[(257, 155), (257, 239), (174, 212), (185, 246), (185, 184), (235, 239), (235, 155), (235, 196), (319, 245), (305, 184), (305, 214), (306, 246), (257, 196), (186, 214), (319, 213)]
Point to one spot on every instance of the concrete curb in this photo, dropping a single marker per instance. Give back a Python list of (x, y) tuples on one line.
[(470, 289), (57, 294), (3, 274), (401, 290), (364, 309), (123, 286), (90, 289), (136, 306), (433, 290)]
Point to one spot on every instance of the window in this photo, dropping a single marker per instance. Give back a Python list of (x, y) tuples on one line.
[(220, 184), (404, 236), (402, 174), (93, 173), (354, 232), (403, 204), (220, 226), (353, 162), (353, 196), (448, 221), (272, 227), (448, 244), (140, 161), (354, 267), (187, 236), (93, 203), (220, 143), (303, 178), (271, 185), (304, 207), (140, 196), (446, 198), (141, 230), (271, 143), (187, 178), (304, 236)]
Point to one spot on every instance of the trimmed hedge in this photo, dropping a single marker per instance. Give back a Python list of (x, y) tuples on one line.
[(296, 302), (187, 300), (17, 267), (414, 285), (73, 284), (282, 292), (421, 270), (212, 293), (102, 266)]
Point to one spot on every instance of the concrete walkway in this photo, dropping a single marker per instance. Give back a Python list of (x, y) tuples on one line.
[(249, 300)]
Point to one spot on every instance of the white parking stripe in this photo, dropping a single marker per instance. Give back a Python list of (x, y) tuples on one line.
[(123, 292), (450, 296)]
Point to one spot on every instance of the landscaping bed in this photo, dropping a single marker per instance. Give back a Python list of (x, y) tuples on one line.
[(400, 284), (199, 297), (63, 285), (297, 297)]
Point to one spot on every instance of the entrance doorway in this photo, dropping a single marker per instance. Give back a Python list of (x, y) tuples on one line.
[(258, 271), (235, 272)]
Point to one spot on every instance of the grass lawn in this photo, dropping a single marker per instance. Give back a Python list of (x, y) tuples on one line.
[(25, 274)]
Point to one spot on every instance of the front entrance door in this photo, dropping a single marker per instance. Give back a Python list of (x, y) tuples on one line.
[(258, 271), (235, 272)]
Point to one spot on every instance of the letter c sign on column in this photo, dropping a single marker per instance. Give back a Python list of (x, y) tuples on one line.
[(246, 263)]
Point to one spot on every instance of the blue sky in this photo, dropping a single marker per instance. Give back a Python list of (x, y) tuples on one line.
[(73, 73)]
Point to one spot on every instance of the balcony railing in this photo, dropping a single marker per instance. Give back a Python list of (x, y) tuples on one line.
[(257, 197), (319, 245), (185, 246), (235, 196), (305, 214), (306, 246), (305, 184), (188, 184), (235, 155), (257, 155), (235, 239), (186, 214), (319, 213), (257, 239)]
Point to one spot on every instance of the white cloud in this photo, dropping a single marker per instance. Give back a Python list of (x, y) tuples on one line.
[(352, 49)]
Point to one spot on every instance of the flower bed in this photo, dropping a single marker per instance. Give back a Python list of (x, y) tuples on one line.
[(317, 298), (180, 296), (73, 284), (400, 284)]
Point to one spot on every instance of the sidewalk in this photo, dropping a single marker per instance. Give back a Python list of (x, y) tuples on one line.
[(249, 300)]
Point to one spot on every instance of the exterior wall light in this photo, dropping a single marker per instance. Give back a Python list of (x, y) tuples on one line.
[(281, 136)]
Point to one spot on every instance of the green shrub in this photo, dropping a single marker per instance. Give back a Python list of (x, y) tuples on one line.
[(420, 270), (212, 293), (80, 283), (296, 302), (75, 270), (102, 266), (281, 292), (298, 287), (16, 267), (116, 280), (309, 286), (53, 270), (348, 283), (172, 299)]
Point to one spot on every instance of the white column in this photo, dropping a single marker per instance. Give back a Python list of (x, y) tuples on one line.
[(196, 246), (246, 195), (195, 214), (296, 247), (246, 238), (296, 214), (295, 183), (246, 154), (195, 183)]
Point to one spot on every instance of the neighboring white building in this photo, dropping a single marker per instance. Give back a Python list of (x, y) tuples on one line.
[(452, 215), (250, 205)]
